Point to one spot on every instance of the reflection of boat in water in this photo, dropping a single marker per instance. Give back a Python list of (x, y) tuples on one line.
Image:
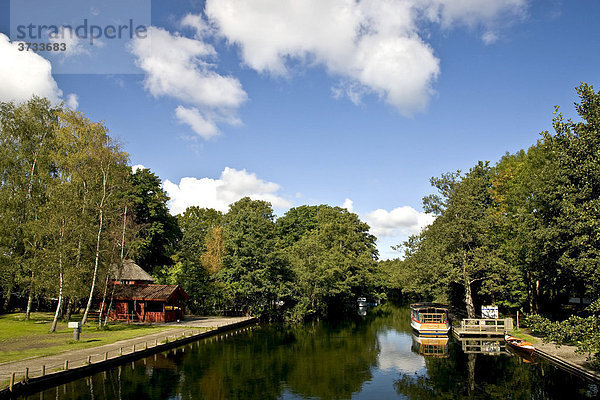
[(520, 347), (430, 346), (429, 318)]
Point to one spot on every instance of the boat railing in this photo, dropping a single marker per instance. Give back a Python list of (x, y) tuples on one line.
[(429, 318), (486, 325)]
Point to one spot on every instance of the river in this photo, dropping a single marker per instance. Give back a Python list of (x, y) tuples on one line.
[(371, 357)]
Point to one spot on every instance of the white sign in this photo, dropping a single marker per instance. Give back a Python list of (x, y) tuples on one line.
[(489, 311), (74, 325)]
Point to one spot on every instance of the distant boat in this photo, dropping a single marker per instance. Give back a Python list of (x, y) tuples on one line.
[(519, 344), (429, 318), (362, 302)]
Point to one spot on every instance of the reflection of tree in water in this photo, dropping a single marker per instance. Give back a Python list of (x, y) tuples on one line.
[(475, 376), (319, 360), (325, 361)]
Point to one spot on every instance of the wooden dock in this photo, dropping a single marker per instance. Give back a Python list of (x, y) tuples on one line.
[(483, 327)]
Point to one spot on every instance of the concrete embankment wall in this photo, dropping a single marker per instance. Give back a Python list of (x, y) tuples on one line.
[(569, 367), (37, 384)]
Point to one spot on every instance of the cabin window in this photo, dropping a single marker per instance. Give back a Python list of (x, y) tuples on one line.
[(155, 306)]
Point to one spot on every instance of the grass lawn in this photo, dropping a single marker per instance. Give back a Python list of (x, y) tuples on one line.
[(21, 339), (522, 335)]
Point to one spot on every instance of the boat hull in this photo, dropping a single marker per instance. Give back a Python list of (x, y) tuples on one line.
[(429, 329), (519, 345)]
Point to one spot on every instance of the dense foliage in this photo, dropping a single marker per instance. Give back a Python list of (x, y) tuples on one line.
[(71, 209), (523, 234)]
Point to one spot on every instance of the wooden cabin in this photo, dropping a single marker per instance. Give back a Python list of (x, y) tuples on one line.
[(137, 299)]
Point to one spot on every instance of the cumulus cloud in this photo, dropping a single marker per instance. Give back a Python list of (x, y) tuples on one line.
[(72, 101), (136, 167), (197, 23), (399, 221), (373, 46), (489, 37), (220, 193), (179, 67), (74, 45), (348, 205), (194, 119), (24, 74)]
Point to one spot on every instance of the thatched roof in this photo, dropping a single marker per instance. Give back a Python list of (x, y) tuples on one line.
[(130, 272), (149, 292)]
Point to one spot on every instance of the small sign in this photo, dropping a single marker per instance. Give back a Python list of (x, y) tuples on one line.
[(74, 325), (489, 311)]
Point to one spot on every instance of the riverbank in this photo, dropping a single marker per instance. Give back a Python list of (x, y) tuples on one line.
[(563, 356), (48, 370)]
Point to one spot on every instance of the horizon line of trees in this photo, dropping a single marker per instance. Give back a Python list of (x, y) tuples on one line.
[(523, 234), (71, 209)]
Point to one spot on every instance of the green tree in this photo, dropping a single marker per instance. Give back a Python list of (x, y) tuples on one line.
[(462, 244), (254, 273), (198, 258), (333, 263), (27, 143), (158, 230)]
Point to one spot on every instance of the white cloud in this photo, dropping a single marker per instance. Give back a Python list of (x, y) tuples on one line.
[(179, 67), (473, 12), (348, 205), (489, 37), (400, 221), (136, 167), (198, 23), (220, 193), (373, 46), (72, 101), (24, 74), (194, 119), (74, 46)]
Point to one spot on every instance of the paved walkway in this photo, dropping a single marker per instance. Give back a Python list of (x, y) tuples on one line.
[(76, 358), (565, 354)]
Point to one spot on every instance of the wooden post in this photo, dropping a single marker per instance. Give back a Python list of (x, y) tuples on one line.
[(43, 370), (155, 342), (146, 346), (12, 382), (120, 351), (66, 365), (26, 374), (105, 355), (89, 360), (517, 319), (133, 348)]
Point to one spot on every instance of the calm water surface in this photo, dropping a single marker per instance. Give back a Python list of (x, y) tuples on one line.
[(373, 357)]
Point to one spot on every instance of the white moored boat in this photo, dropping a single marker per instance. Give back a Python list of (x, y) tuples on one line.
[(429, 318)]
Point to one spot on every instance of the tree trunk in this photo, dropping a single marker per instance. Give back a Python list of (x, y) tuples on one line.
[(469, 300), (112, 293), (468, 294), (60, 293), (103, 301), (6, 305), (98, 238), (60, 278), (69, 309), (30, 298), (96, 262), (537, 296)]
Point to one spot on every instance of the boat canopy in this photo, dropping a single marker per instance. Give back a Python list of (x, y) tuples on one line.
[(429, 307)]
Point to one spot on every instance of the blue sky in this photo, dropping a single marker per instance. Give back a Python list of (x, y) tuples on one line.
[(310, 102)]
